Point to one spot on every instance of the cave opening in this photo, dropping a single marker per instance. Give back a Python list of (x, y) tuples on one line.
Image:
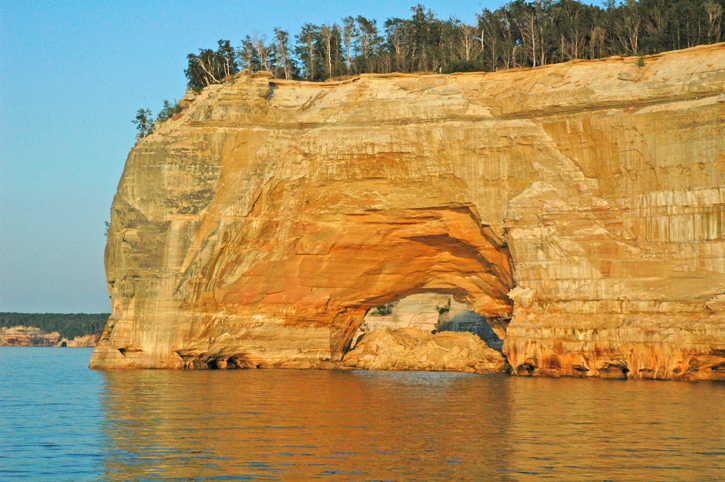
[(435, 269), (431, 312)]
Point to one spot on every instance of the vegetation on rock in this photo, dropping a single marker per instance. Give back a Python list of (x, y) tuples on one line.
[(519, 34), (210, 66), (169, 110), (145, 122)]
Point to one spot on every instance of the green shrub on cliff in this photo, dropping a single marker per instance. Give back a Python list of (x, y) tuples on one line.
[(145, 123), (168, 111)]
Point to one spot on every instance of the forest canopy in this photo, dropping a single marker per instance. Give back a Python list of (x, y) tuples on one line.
[(518, 34)]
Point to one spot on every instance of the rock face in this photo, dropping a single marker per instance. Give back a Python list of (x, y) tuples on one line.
[(32, 336), (85, 341), (579, 207), (414, 349), (27, 336)]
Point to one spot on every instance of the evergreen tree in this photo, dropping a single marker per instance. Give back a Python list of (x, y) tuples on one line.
[(308, 52), (349, 34), (397, 43), (144, 123), (368, 42), (211, 67), (248, 58), (284, 54)]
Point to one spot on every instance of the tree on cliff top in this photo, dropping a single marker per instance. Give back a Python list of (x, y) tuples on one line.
[(169, 110), (211, 67), (144, 123)]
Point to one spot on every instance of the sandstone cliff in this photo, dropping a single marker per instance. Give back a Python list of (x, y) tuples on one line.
[(579, 207), (85, 341), (32, 336), (27, 336)]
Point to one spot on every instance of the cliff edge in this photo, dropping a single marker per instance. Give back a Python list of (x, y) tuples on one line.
[(578, 207)]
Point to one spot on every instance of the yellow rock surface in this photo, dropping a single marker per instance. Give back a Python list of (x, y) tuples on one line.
[(414, 349), (27, 336), (580, 207)]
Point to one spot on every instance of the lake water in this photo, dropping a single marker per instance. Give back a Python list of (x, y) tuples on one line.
[(61, 421)]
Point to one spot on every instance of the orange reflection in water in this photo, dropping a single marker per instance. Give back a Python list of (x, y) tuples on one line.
[(289, 424)]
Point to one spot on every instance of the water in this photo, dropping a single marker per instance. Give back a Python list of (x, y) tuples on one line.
[(61, 421)]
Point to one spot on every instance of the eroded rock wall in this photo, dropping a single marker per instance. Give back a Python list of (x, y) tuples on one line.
[(27, 336), (579, 207)]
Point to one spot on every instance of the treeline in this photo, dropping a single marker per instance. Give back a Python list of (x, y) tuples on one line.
[(69, 325), (519, 34)]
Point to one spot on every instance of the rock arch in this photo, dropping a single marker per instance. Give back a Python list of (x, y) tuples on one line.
[(260, 225), (338, 269), (436, 250)]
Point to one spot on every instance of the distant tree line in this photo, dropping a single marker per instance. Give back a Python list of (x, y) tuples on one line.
[(518, 34), (69, 325)]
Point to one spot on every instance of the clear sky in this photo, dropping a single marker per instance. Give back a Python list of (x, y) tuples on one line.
[(72, 76)]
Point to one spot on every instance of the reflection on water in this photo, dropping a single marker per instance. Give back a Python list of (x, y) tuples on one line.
[(305, 424), (409, 426), (61, 421)]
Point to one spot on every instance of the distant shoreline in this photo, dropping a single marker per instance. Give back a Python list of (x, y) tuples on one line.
[(72, 330), (2, 347)]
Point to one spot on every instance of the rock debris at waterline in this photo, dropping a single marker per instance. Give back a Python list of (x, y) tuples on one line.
[(578, 207)]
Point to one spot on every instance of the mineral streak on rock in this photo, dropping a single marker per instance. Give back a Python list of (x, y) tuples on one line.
[(579, 207)]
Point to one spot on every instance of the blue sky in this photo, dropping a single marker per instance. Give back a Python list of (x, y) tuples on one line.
[(72, 76)]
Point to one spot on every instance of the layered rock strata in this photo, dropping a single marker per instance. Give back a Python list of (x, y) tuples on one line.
[(27, 336), (85, 341), (578, 207), (32, 336)]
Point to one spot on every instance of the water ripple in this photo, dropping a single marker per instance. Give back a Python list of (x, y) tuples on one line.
[(61, 421)]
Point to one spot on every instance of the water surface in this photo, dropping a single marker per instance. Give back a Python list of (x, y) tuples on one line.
[(61, 421)]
